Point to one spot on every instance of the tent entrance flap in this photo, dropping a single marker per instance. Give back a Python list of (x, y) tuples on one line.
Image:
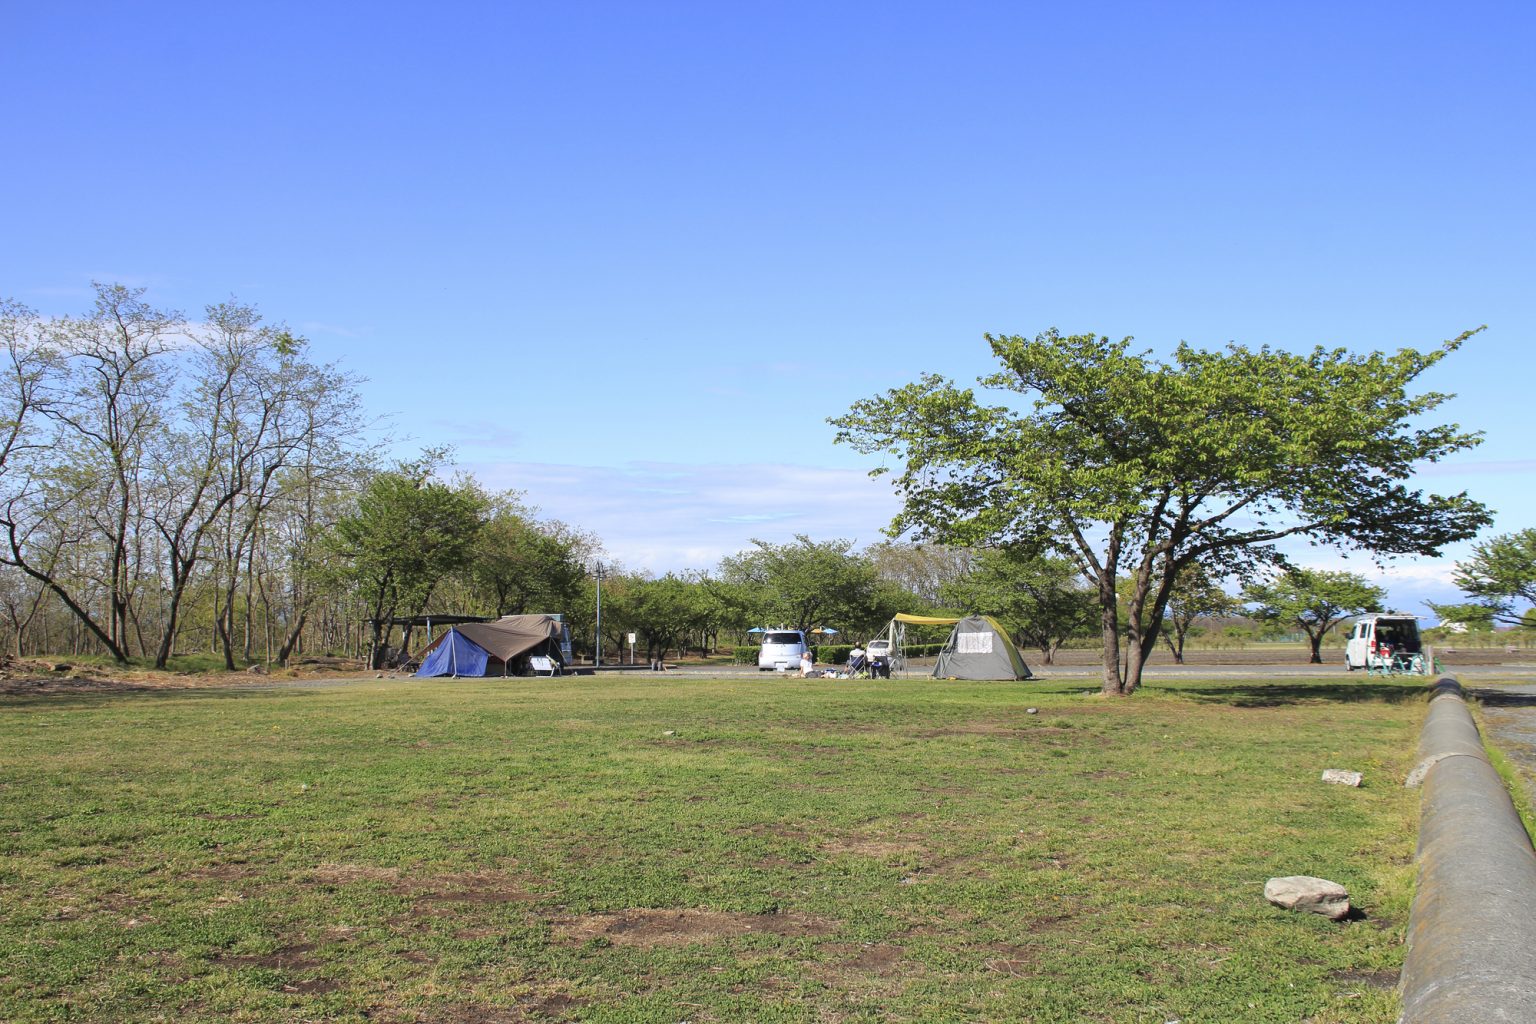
[(454, 654)]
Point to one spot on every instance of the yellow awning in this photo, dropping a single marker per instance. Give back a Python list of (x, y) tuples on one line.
[(925, 620)]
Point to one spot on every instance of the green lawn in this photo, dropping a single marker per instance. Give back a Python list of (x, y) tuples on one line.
[(670, 849)]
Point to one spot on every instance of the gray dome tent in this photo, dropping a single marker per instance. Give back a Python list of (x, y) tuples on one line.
[(979, 648)]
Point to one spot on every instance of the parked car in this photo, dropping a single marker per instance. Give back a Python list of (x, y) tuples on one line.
[(879, 654), (1384, 642), (781, 650)]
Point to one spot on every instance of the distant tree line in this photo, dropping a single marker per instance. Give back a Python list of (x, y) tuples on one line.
[(171, 486)]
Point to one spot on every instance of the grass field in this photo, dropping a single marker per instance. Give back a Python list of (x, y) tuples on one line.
[(667, 849)]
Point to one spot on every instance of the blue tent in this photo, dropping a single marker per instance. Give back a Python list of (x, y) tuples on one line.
[(454, 655)]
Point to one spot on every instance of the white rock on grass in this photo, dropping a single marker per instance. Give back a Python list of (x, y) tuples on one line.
[(1341, 777), (1312, 895)]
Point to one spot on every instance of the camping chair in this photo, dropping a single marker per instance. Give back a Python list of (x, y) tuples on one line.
[(543, 665), (858, 667)]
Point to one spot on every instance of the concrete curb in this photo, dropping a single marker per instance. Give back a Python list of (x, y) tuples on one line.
[(1472, 930)]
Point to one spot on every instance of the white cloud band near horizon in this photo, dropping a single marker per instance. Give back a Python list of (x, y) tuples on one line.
[(661, 517), (671, 517)]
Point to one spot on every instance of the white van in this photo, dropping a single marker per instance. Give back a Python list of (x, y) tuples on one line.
[(1385, 642), (781, 650)]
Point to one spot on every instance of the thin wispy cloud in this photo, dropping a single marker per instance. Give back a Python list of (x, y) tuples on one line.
[(758, 517), (471, 436), (669, 517), (1411, 583)]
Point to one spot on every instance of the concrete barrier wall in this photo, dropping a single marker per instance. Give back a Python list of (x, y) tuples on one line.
[(1472, 931)]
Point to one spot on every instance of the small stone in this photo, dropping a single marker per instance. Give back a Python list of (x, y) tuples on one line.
[(1031, 711), (670, 732), (1309, 894), (63, 666), (1342, 777)]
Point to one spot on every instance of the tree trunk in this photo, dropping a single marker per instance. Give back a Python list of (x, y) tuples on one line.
[(292, 639), (1110, 627), (1175, 642), (1135, 659)]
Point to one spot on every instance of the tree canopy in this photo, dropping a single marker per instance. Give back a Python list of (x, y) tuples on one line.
[(1124, 463), (1502, 574), (1196, 594), (809, 583), (408, 533), (1314, 601)]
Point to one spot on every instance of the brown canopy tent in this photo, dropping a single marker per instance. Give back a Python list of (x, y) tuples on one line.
[(506, 644)]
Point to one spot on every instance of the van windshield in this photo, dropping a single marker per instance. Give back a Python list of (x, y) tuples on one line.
[(782, 638)]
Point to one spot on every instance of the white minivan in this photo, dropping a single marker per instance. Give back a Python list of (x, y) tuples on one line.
[(781, 650), (1385, 642)]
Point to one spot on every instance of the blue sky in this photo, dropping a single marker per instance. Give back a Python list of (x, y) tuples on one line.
[(714, 225)]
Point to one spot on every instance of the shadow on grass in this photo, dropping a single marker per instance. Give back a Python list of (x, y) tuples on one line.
[(1269, 695), (1504, 698), (95, 695)]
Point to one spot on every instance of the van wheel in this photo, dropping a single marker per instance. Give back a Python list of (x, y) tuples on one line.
[(1349, 665)]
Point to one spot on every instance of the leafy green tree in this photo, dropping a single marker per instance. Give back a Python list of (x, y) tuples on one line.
[(522, 565), (1130, 465), (1314, 601), (806, 583), (1528, 623), (920, 569), (1041, 601), (1197, 594), (1462, 618), (664, 611), (1502, 574), (408, 533)]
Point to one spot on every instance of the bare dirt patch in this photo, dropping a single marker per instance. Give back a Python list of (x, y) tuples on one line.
[(293, 957), (983, 728), (342, 874), (471, 887), (311, 986), (775, 829), (876, 958), (557, 1005), (226, 817), (877, 847), (461, 1014), (33, 677), (224, 871), (1014, 961), (68, 685), (646, 927)]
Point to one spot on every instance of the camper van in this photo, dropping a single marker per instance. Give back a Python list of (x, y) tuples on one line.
[(781, 650), (1385, 641)]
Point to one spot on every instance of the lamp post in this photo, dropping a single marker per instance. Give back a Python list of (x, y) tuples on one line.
[(598, 572)]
